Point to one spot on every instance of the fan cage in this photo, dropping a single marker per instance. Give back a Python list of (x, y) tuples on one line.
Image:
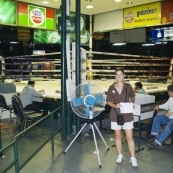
[(95, 90)]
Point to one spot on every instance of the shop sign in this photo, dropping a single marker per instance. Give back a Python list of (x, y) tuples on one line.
[(46, 37), (167, 12), (98, 35), (53, 37), (84, 38), (140, 16), (35, 16), (70, 23), (23, 34), (7, 12)]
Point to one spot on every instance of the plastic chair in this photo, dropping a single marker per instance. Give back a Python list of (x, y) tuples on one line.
[(4, 107), (26, 119), (26, 111)]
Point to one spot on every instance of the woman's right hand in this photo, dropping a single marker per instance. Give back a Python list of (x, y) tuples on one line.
[(118, 105), (156, 108)]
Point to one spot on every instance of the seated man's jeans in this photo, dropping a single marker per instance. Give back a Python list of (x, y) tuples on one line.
[(161, 120)]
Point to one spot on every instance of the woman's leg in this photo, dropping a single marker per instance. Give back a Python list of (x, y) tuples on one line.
[(118, 141), (130, 140)]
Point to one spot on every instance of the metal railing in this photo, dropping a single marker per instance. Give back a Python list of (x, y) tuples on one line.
[(27, 143)]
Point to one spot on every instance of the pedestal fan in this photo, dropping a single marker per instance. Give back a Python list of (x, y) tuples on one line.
[(87, 101)]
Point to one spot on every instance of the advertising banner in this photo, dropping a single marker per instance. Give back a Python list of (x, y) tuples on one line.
[(23, 34), (70, 23), (167, 12), (141, 16), (35, 16), (7, 12), (52, 37)]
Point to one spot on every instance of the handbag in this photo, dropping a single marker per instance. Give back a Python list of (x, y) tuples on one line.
[(120, 118)]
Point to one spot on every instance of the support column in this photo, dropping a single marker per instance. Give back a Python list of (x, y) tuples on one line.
[(78, 60), (63, 70)]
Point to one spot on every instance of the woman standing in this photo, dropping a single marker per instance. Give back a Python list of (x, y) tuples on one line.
[(121, 92)]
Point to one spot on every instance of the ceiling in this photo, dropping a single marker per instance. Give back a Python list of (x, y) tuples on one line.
[(99, 6)]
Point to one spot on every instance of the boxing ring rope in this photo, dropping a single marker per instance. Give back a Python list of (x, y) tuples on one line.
[(116, 61), (85, 71)]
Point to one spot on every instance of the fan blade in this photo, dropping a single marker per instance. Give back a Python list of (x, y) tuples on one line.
[(86, 89), (78, 101), (99, 98)]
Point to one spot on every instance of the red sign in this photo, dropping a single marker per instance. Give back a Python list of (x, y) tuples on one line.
[(167, 12)]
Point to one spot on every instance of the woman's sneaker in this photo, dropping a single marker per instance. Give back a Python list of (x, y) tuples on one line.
[(133, 161), (119, 159)]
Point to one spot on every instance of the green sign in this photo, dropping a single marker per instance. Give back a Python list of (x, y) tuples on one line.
[(46, 37), (51, 37), (70, 23), (7, 12), (36, 16)]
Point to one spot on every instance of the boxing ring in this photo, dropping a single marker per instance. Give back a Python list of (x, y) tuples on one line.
[(45, 70)]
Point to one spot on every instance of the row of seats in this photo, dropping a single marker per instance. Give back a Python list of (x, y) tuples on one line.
[(26, 117)]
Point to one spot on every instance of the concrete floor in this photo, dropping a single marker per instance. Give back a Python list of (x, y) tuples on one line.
[(80, 158)]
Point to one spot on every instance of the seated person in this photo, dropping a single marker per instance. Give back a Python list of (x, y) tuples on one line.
[(27, 95), (138, 88), (166, 120)]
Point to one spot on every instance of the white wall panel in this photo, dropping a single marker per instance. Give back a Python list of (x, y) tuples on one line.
[(108, 21)]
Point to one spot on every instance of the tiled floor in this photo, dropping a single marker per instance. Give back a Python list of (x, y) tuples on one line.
[(80, 158)]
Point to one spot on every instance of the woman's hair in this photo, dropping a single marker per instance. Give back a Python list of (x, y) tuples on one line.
[(139, 84), (170, 88), (31, 82), (119, 69)]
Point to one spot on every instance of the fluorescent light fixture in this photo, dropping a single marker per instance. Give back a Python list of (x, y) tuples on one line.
[(89, 6), (148, 44), (161, 42), (119, 44), (118, 0), (13, 42), (45, 2), (158, 42)]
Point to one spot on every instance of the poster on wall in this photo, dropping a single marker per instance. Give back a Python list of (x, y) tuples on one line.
[(167, 12), (52, 37), (35, 16), (70, 23), (46, 37), (23, 34), (141, 16), (7, 12)]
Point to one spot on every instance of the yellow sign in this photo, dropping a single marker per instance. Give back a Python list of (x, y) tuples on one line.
[(143, 15), (23, 34)]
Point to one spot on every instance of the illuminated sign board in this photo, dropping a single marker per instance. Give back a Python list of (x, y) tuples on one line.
[(7, 12), (35, 16)]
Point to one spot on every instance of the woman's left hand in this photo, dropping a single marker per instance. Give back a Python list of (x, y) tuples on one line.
[(168, 114)]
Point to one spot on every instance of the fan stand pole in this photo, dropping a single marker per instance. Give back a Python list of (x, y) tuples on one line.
[(93, 124), (101, 135), (75, 137), (95, 142)]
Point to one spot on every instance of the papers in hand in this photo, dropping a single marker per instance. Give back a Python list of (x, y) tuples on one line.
[(126, 108), (130, 108)]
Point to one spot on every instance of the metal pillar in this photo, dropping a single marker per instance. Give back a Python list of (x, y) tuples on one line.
[(78, 60), (63, 70), (69, 116)]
